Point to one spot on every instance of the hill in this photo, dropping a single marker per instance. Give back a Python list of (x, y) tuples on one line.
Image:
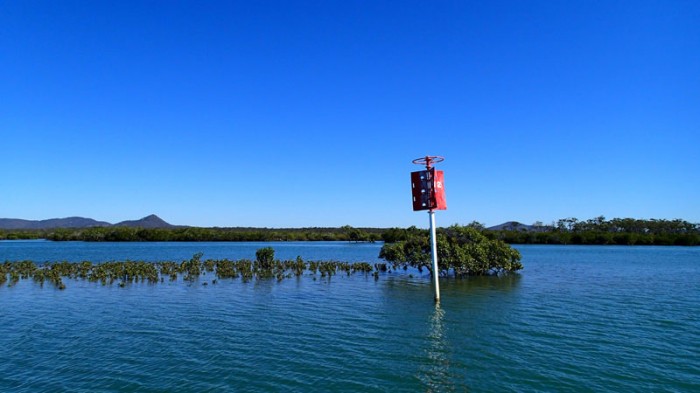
[(518, 226), (68, 222), (151, 221), (511, 226)]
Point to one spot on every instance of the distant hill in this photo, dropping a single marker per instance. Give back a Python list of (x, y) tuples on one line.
[(151, 221), (68, 222), (510, 226), (518, 226)]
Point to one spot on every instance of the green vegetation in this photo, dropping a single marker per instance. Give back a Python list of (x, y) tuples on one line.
[(22, 234), (599, 231), (194, 234), (462, 251), (623, 231), (265, 258), (128, 272)]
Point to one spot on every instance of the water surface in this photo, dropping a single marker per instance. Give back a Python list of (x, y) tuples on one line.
[(578, 318)]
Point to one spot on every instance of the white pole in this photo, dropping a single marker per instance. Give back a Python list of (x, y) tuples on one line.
[(433, 253)]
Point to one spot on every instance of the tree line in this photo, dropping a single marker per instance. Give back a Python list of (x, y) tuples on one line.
[(600, 231), (195, 234), (595, 231)]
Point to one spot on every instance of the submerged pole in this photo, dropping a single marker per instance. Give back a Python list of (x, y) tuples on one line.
[(433, 254)]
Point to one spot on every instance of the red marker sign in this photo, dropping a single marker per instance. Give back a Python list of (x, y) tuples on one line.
[(428, 189)]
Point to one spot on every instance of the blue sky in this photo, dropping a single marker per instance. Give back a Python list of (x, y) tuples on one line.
[(308, 113)]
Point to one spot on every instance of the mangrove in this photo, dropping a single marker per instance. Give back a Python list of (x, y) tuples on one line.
[(595, 231), (462, 251), (265, 266)]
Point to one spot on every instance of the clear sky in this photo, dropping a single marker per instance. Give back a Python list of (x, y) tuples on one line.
[(308, 113)]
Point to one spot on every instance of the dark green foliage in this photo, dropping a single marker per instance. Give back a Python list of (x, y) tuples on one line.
[(192, 268), (22, 234), (599, 231), (265, 258), (169, 269), (132, 272), (462, 251), (5, 269), (622, 231), (393, 235), (119, 234), (226, 269)]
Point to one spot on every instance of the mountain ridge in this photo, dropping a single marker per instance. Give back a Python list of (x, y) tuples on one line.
[(518, 226), (150, 221)]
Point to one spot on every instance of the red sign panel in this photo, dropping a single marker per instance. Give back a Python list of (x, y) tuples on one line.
[(440, 202), (420, 188), (428, 189)]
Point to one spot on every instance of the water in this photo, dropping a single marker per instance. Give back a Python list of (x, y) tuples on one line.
[(576, 319), (42, 251)]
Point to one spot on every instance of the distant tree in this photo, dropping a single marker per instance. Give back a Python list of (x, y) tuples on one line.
[(567, 224), (476, 225), (393, 235), (354, 234)]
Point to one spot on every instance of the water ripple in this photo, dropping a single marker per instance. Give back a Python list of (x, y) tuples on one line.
[(574, 320)]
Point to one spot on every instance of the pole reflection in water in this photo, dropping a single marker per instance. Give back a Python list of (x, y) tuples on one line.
[(435, 373)]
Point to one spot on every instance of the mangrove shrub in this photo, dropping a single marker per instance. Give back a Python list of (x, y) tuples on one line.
[(462, 251)]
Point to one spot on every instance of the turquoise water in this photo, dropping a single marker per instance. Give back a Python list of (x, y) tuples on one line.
[(576, 319)]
